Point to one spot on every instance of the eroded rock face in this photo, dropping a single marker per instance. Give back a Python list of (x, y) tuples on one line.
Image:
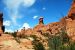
[(70, 28), (70, 22), (54, 27), (28, 32), (71, 13), (27, 43), (38, 27)]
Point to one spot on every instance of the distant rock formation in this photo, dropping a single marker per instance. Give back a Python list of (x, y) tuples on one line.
[(41, 20)]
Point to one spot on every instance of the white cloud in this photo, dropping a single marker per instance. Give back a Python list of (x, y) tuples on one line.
[(28, 3), (7, 23), (35, 17), (16, 3), (13, 7), (8, 30), (11, 4), (26, 25)]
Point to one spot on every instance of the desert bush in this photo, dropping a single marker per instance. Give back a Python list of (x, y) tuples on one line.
[(37, 44), (14, 34), (58, 42)]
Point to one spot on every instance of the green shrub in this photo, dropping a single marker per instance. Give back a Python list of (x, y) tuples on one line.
[(37, 44)]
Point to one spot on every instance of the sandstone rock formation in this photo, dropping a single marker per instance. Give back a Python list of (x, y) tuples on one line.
[(67, 23), (70, 22)]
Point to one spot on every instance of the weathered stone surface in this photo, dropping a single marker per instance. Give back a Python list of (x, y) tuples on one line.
[(26, 43), (70, 27), (71, 13), (6, 37), (38, 27), (7, 42), (28, 32)]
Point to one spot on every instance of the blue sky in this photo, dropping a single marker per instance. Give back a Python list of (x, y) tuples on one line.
[(25, 13)]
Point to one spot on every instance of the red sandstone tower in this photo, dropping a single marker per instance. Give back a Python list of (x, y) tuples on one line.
[(71, 13), (1, 19), (41, 20), (2, 28)]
